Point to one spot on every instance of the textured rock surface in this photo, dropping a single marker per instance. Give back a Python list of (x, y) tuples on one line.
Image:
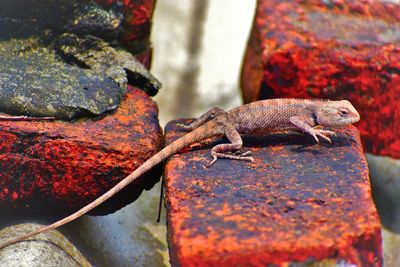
[(136, 22), (331, 49), (35, 82), (56, 167), (297, 202), (116, 63), (49, 249), (69, 67)]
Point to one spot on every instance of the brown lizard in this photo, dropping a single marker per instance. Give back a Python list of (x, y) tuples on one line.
[(257, 118)]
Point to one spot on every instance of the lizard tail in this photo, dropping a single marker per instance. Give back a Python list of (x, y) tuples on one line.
[(207, 130)]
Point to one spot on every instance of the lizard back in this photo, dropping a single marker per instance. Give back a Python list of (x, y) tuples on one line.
[(271, 115)]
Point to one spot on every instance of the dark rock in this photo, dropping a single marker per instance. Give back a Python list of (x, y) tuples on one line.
[(91, 18), (34, 82), (23, 18), (98, 55), (36, 74), (136, 22)]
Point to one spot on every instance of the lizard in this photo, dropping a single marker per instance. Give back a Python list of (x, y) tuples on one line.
[(254, 119)]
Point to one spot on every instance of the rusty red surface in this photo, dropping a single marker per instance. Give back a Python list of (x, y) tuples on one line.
[(331, 49), (58, 166), (136, 22), (298, 202)]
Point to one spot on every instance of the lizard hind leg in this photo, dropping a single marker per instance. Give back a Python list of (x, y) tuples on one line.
[(209, 115), (229, 151)]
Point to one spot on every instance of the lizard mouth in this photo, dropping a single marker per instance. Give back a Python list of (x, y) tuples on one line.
[(348, 121)]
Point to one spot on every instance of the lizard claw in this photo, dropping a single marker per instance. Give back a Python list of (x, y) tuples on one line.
[(315, 137), (247, 153), (242, 154), (325, 137), (211, 162), (251, 159), (315, 132)]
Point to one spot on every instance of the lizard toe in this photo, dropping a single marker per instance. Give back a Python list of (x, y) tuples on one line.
[(184, 127), (247, 153), (249, 159), (315, 137), (215, 158), (325, 137), (328, 133)]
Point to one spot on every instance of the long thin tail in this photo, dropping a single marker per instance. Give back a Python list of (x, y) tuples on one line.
[(205, 131)]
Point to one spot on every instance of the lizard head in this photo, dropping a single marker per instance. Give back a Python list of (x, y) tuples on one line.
[(336, 113)]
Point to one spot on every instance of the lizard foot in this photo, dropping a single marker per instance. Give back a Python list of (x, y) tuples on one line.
[(242, 156), (315, 132)]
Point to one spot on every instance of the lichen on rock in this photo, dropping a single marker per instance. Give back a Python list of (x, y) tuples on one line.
[(98, 55), (62, 59), (35, 82)]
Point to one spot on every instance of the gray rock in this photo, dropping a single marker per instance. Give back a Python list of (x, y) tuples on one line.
[(48, 249), (61, 59), (385, 173), (34, 82), (83, 17), (96, 54)]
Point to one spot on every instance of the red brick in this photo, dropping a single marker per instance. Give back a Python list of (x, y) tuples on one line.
[(297, 202), (343, 49), (59, 166), (56, 167)]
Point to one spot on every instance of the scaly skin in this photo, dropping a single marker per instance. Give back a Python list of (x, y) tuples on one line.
[(257, 118)]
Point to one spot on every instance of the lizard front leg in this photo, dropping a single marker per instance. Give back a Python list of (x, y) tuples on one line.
[(307, 126), (209, 115), (222, 150)]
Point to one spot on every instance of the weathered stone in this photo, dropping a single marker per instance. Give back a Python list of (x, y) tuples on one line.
[(80, 16), (34, 82), (298, 203), (39, 82), (24, 18), (385, 181), (58, 166), (331, 49), (48, 249), (98, 55), (90, 18), (136, 22)]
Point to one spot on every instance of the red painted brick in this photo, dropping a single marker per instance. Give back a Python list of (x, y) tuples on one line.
[(343, 49), (59, 166), (297, 202)]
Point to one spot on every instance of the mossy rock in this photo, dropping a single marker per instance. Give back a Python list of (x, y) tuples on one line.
[(62, 59), (35, 82)]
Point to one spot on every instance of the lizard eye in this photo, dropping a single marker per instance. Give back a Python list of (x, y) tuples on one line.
[(343, 112)]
